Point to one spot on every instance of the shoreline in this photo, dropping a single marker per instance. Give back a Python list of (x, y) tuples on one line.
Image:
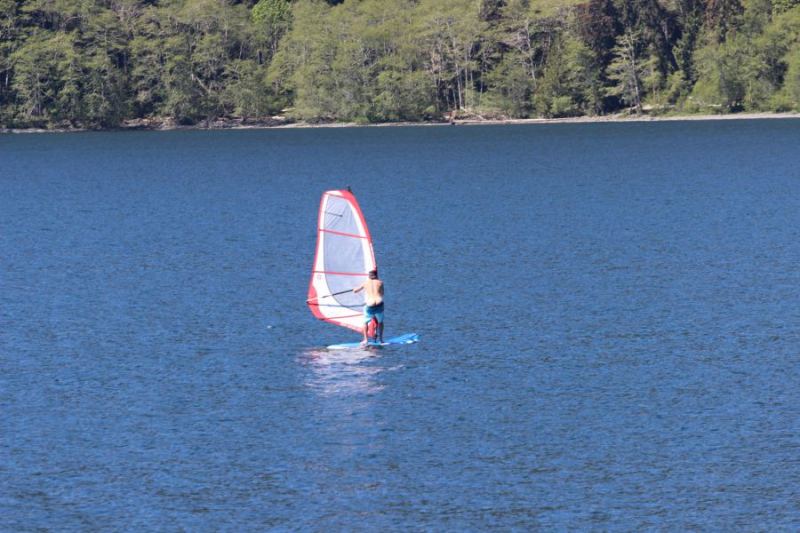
[(282, 123), (635, 118)]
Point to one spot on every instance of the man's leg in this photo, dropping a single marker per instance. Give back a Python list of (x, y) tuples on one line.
[(379, 320), (367, 319)]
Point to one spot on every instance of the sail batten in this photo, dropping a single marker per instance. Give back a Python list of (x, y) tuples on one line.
[(337, 273), (344, 256), (344, 234)]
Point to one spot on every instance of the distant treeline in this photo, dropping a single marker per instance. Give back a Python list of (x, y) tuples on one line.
[(99, 63)]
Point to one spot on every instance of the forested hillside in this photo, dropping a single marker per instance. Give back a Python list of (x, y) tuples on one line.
[(99, 63)]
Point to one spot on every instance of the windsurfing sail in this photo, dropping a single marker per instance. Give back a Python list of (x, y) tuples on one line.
[(344, 257)]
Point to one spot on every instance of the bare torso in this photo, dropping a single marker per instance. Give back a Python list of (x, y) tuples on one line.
[(373, 292)]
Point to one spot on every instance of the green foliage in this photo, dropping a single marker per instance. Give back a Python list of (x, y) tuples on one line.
[(272, 19), (449, 33), (626, 70), (302, 66), (781, 6), (404, 96), (511, 86), (92, 63), (786, 28), (97, 64), (789, 98), (570, 84), (245, 93), (748, 70), (720, 85), (46, 78)]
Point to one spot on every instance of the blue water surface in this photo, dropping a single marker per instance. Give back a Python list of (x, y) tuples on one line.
[(609, 319)]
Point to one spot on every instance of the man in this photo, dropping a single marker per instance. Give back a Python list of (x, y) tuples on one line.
[(373, 300)]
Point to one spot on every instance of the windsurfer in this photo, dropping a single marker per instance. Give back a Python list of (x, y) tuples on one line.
[(373, 300)]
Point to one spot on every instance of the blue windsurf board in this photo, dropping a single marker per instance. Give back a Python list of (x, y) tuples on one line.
[(408, 338)]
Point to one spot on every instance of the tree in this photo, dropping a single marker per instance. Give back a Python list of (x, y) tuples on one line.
[(148, 58), (98, 63), (46, 79), (272, 19), (571, 82), (598, 25), (626, 69), (791, 88), (301, 68), (245, 94), (721, 82), (721, 17), (450, 31), (511, 85), (9, 42)]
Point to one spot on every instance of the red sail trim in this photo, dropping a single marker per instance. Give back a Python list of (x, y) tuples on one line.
[(343, 234), (343, 306), (351, 199)]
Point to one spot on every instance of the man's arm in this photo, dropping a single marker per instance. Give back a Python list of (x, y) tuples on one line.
[(359, 288)]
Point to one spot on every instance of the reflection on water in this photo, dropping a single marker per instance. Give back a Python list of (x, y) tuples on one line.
[(342, 372)]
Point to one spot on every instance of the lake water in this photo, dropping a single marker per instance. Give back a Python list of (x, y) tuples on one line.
[(608, 316)]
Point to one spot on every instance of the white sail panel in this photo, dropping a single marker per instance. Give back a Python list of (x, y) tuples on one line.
[(344, 256)]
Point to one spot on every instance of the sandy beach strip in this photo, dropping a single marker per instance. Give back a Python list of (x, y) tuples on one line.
[(272, 123)]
